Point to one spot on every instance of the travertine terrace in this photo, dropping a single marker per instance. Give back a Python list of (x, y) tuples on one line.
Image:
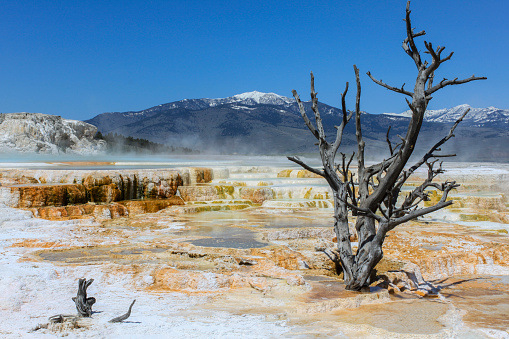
[(240, 247)]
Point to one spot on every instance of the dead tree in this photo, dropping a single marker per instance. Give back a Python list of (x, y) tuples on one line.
[(374, 197), (84, 304)]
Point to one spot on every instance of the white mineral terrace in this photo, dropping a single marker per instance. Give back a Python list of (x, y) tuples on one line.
[(235, 247)]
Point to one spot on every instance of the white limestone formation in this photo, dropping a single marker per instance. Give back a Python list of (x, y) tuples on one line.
[(47, 134)]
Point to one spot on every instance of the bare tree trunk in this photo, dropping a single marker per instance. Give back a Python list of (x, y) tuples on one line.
[(342, 231), (369, 254)]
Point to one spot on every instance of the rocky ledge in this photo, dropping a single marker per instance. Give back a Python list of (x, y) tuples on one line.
[(41, 189)]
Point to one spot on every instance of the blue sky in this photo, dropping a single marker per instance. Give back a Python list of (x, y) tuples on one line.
[(81, 58)]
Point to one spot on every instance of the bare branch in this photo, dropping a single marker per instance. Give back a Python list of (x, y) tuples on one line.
[(418, 213), (436, 57), (386, 215), (389, 140), (343, 168), (448, 186), (455, 81), (346, 119), (408, 43), (306, 166), (350, 186), (397, 211), (304, 115), (363, 211), (349, 162), (358, 131), (351, 190), (419, 192), (314, 107), (381, 166), (394, 89), (343, 103), (443, 155), (435, 148)]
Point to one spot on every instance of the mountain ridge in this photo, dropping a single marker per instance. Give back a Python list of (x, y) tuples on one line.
[(476, 116), (256, 122)]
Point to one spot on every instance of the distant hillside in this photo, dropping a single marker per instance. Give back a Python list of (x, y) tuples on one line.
[(46, 134), (267, 123), (119, 144)]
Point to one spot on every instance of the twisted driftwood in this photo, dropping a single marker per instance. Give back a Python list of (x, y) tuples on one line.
[(84, 307), (84, 304), (60, 318), (124, 316)]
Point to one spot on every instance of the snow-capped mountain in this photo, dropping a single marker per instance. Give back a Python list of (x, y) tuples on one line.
[(107, 122), (256, 97), (490, 116), (256, 122), (247, 99)]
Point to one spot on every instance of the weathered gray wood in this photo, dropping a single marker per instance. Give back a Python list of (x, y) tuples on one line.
[(124, 316), (84, 304), (366, 197), (60, 318)]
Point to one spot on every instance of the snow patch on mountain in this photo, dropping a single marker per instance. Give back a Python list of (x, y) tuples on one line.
[(262, 98), (243, 99), (476, 116)]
